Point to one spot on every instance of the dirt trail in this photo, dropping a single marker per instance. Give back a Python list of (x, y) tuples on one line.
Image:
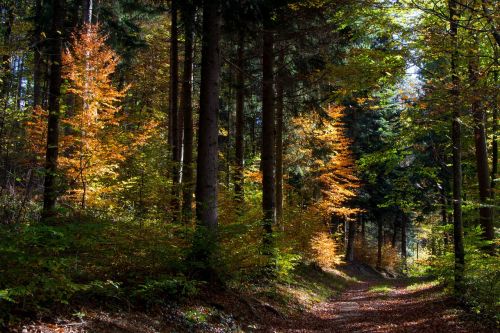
[(383, 305), (372, 305)]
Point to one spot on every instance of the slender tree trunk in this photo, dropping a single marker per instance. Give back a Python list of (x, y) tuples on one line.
[(363, 235), (4, 93), (173, 130), (351, 234), (456, 137), (494, 143), (207, 165), (483, 174), (86, 7), (187, 111), (174, 77), (37, 56), (380, 241), (253, 135), (279, 140), (444, 207), (240, 123), (404, 224), (50, 185), (268, 136), (395, 231)]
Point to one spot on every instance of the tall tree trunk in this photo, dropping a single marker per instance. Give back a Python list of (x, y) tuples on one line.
[(351, 234), (363, 234), (279, 140), (187, 111), (482, 170), (240, 123), (173, 130), (494, 128), (52, 152), (4, 93), (456, 137), (86, 8), (380, 241), (404, 225), (395, 231), (268, 127), (444, 208), (37, 56), (207, 165)]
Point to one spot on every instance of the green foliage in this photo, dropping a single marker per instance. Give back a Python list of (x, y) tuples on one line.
[(482, 274), (43, 267), (164, 289), (285, 265), (383, 288)]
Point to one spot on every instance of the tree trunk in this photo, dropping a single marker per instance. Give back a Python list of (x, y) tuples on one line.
[(240, 123), (494, 143), (55, 52), (363, 235), (86, 11), (483, 175), (4, 93), (173, 131), (37, 56), (456, 137), (351, 234), (444, 207), (380, 241), (395, 231), (279, 140), (268, 127), (187, 111), (404, 224), (207, 166)]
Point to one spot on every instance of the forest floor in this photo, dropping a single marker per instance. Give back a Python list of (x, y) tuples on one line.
[(352, 299)]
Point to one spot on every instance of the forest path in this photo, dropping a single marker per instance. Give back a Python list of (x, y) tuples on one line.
[(385, 305)]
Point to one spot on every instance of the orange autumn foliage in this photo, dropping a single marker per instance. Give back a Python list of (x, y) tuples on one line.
[(90, 149), (335, 173), (92, 141)]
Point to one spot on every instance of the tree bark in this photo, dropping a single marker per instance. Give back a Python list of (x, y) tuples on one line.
[(363, 235), (268, 135), (240, 123), (494, 143), (207, 164), (37, 55), (187, 111), (351, 233), (482, 168), (173, 131), (395, 231), (444, 208), (456, 137), (4, 93), (279, 140), (380, 241), (52, 152), (404, 224)]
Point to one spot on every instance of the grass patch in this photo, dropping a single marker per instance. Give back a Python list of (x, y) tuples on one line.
[(383, 288), (422, 285)]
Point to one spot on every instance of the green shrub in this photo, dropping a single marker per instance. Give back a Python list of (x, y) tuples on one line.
[(164, 290), (481, 276), (44, 267)]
